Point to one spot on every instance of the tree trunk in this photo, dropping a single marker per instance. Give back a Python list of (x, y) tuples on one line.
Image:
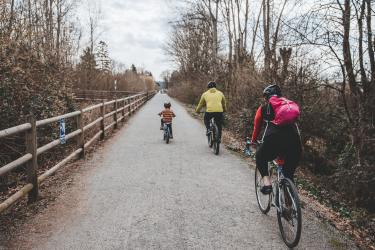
[(266, 29)]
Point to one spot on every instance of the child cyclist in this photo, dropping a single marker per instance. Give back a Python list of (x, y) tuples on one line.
[(166, 117)]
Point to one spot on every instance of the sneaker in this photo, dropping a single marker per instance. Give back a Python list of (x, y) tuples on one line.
[(266, 190)]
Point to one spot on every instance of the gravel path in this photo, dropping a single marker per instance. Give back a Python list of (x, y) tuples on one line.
[(145, 194)]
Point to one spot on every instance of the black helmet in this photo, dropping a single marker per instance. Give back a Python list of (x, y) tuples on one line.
[(211, 85), (167, 105), (271, 90)]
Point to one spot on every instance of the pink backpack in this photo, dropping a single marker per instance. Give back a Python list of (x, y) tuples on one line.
[(286, 111)]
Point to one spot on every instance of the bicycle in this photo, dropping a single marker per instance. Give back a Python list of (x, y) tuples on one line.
[(166, 132), (284, 197), (213, 137)]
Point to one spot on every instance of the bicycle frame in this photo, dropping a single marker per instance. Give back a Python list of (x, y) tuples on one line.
[(274, 167), (166, 128)]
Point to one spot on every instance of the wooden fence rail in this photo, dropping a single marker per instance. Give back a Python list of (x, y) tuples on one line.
[(124, 106), (98, 95)]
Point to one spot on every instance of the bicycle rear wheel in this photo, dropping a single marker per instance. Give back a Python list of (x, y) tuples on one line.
[(167, 136), (210, 141), (264, 201), (290, 218), (216, 146)]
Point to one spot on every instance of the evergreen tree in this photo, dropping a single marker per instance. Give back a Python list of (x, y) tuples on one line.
[(133, 68), (87, 69)]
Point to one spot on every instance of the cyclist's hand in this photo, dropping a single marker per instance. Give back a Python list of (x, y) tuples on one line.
[(253, 145)]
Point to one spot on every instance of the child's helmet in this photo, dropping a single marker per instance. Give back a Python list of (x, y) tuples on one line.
[(167, 105)]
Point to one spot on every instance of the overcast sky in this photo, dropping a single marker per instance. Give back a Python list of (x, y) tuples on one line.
[(135, 31)]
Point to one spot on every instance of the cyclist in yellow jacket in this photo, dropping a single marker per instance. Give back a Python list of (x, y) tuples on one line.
[(215, 103)]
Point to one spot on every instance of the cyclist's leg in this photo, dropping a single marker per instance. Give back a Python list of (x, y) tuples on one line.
[(207, 117), (219, 117), (170, 129), (265, 153), (292, 155)]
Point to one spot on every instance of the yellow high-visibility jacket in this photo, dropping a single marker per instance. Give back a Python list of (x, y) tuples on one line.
[(214, 100)]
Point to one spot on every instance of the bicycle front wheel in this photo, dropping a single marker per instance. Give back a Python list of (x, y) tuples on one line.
[(264, 201), (289, 217)]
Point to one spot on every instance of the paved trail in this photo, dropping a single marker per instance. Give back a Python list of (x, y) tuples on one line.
[(144, 194)]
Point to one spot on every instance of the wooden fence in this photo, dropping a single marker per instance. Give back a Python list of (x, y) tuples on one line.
[(125, 107)]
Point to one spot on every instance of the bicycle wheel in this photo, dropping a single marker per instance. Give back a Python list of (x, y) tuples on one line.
[(290, 219), (210, 141), (167, 136), (264, 201), (216, 145)]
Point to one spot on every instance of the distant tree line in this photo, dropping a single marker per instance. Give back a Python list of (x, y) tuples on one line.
[(39, 46), (42, 63)]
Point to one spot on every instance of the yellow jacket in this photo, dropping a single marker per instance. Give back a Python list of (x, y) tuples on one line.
[(214, 100)]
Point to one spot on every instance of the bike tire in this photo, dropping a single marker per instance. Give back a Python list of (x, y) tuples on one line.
[(210, 141), (264, 201), (167, 136), (289, 190), (216, 145)]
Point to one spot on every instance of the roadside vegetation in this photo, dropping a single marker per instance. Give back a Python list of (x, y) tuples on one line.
[(321, 53), (43, 61)]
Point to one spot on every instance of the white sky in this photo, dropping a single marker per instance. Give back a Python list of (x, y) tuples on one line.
[(135, 31)]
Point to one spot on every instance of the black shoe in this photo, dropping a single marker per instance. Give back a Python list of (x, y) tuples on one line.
[(266, 189)]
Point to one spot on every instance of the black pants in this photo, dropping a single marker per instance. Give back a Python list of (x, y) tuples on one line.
[(219, 118), (284, 143), (169, 125)]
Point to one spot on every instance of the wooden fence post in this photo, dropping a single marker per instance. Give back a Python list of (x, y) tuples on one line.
[(130, 106), (102, 112), (123, 110), (32, 164), (81, 136), (115, 114)]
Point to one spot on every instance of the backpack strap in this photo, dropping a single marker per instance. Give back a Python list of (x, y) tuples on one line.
[(265, 130)]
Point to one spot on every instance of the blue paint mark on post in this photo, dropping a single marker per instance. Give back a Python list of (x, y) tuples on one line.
[(62, 131)]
